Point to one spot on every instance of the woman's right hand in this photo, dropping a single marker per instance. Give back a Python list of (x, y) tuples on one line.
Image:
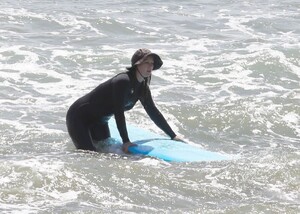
[(126, 145)]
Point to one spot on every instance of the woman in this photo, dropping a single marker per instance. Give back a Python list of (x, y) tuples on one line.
[(87, 118)]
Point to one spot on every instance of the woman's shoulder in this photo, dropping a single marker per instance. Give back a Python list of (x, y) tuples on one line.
[(121, 77), (121, 80)]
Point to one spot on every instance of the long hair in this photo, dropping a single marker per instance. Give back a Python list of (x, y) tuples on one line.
[(146, 83)]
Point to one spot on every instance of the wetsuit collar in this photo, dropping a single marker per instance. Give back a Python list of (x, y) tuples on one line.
[(144, 78)]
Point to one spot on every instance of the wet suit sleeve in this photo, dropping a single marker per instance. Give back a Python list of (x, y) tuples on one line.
[(120, 89), (155, 114)]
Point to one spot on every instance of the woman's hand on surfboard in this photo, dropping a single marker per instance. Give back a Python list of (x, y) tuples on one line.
[(177, 138), (126, 145)]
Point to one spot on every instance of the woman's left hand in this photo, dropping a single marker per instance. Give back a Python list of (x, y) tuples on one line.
[(177, 138)]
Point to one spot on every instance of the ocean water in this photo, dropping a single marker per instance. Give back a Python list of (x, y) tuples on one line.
[(230, 83)]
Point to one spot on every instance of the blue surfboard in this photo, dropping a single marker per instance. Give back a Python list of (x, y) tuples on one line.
[(155, 145)]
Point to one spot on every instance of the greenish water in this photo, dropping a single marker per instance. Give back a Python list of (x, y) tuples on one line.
[(230, 83)]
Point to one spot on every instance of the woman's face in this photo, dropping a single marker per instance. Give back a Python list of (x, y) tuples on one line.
[(146, 67)]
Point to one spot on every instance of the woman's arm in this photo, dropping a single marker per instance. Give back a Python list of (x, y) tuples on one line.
[(155, 114), (120, 87)]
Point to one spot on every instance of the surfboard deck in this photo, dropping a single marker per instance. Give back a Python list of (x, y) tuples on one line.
[(155, 145)]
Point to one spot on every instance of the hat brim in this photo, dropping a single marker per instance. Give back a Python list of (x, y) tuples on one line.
[(157, 61)]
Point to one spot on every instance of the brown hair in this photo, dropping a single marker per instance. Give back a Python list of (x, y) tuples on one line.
[(144, 92)]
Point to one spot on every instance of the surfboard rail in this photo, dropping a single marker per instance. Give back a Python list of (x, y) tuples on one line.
[(154, 145)]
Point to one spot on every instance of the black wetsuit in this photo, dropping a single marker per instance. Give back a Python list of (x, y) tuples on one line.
[(87, 118)]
